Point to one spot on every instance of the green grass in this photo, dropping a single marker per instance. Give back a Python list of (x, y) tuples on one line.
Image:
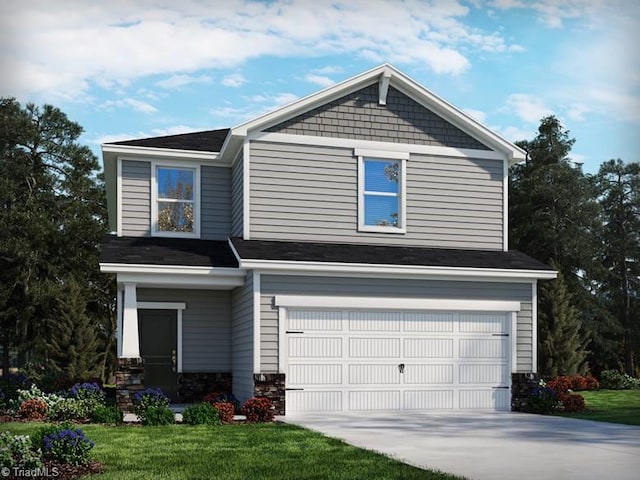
[(261, 451), (614, 406)]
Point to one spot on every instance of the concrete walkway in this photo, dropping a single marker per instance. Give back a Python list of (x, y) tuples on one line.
[(491, 446)]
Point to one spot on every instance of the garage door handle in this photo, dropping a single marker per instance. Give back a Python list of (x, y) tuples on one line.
[(293, 331), (502, 388), (500, 334), (297, 389)]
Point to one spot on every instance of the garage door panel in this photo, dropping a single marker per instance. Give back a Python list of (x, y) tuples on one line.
[(374, 347), (373, 374), (482, 323), (428, 374), (315, 347), (315, 374), (428, 348), (481, 399), (374, 321), (484, 373), (483, 348), (326, 401), (374, 400), (428, 322), (428, 399), (315, 320)]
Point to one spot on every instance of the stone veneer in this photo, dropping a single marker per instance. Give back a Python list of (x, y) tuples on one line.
[(522, 385), (271, 386), (129, 380), (193, 386)]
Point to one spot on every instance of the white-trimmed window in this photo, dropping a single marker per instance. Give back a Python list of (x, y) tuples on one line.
[(381, 191), (175, 206)]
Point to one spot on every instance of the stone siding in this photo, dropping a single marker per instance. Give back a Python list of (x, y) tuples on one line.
[(129, 380), (271, 386), (522, 385), (192, 387)]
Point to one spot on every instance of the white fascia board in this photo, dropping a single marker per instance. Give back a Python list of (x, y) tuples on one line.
[(163, 153), (149, 280), (395, 303), (382, 148), (329, 268)]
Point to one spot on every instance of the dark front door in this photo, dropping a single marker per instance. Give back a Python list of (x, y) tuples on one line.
[(158, 348)]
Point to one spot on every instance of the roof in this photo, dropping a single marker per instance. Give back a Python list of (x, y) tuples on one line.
[(384, 255), (167, 251), (207, 141)]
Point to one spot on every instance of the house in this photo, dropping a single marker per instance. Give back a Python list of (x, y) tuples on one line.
[(345, 252)]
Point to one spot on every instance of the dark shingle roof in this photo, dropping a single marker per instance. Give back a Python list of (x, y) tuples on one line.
[(167, 251), (384, 255), (209, 141)]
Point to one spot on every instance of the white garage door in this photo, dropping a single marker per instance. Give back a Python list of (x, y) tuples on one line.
[(354, 360)]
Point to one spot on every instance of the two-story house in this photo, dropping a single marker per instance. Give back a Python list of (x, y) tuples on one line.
[(345, 252)]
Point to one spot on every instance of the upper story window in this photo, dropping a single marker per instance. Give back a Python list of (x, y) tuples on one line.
[(175, 206), (381, 191)]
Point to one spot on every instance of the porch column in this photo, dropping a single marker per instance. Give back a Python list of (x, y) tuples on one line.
[(130, 340)]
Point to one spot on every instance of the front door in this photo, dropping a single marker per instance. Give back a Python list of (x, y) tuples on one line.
[(158, 348)]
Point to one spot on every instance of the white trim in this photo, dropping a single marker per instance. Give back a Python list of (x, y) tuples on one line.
[(178, 307), (161, 152), (383, 86), (257, 333), (119, 313), (246, 191), (505, 207), (169, 269), (119, 197), (182, 281), (195, 167), (283, 347), (395, 303), (381, 154), (130, 334), (373, 270), (534, 326), (409, 148), (513, 327)]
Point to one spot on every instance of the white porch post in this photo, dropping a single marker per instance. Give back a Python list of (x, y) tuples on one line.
[(119, 308), (130, 340)]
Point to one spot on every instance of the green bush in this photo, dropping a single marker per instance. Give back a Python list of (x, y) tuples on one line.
[(543, 400), (201, 414), (157, 416), (72, 409), (35, 393), (67, 445), (17, 451), (615, 380), (107, 414)]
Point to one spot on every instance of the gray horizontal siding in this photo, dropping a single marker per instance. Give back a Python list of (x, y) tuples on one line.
[(215, 197), (136, 198), (206, 326), (358, 115), (272, 285), (237, 193), (308, 193), (242, 339)]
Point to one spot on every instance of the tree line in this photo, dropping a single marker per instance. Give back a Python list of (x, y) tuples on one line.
[(57, 311)]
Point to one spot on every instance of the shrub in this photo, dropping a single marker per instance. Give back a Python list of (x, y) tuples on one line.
[(67, 445), (34, 392), (33, 409), (9, 386), (153, 416), (592, 383), (88, 391), (222, 397), (17, 451), (258, 409), (578, 383), (152, 398), (72, 409), (201, 414), (615, 380), (560, 384), (107, 414), (571, 402), (543, 400), (225, 410)]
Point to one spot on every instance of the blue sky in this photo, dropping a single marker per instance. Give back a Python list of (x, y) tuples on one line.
[(130, 69)]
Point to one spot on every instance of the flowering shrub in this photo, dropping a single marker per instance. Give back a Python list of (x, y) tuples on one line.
[(614, 380), (222, 397), (571, 402), (67, 445), (152, 407), (576, 383), (33, 409), (560, 384), (34, 392), (258, 409), (88, 391), (72, 409), (17, 451), (201, 414), (225, 410), (592, 383), (543, 400)]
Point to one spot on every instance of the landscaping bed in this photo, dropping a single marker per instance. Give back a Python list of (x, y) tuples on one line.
[(615, 406)]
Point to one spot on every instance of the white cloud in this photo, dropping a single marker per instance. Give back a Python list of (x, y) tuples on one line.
[(319, 80), (234, 80), (551, 13), (478, 115), (576, 111), (328, 70), (177, 81), (514, 134), (132, 103), (528, 107)]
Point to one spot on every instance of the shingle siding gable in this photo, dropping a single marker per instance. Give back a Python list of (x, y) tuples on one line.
[(359, 116)]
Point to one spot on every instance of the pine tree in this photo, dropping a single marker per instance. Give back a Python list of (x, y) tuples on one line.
[(561, 344)]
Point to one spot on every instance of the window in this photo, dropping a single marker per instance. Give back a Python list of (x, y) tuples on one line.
[(175, 201), (381, 203)]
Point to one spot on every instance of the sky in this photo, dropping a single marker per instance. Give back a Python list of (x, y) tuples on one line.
[(132, 69)]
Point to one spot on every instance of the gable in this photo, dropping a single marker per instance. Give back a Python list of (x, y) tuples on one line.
[(359, 116)]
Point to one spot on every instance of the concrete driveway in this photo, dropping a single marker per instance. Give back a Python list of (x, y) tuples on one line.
[(491, 446)]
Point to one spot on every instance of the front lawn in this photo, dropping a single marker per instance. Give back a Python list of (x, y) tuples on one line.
[(261, 451), (615, 406)]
